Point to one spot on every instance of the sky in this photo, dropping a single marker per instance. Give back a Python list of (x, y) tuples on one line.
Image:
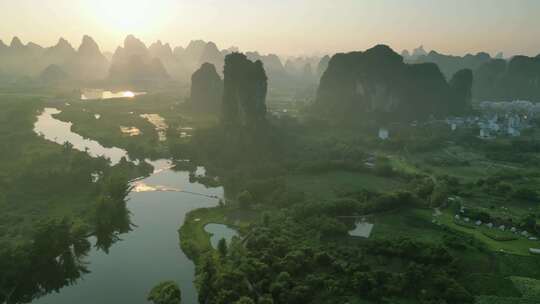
[(284, 27)]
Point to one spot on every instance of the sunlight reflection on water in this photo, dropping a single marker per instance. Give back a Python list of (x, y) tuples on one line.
[(97, 94)]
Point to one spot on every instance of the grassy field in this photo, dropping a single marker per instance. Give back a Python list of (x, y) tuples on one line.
[(328, 185), (413, 223), (529, 290), (519, 246)]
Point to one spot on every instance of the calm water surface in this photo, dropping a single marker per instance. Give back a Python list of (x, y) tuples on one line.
[(151, 252), (60, 132), (218, 232)]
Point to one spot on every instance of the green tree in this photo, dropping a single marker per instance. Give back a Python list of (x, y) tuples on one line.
[(206, 279), (222, 247), (529, 222), (206, 89), (245, 199), (266, 300), (266, 219), (165, 293), (245, 300)]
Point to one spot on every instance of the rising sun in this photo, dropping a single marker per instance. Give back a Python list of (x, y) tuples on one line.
[(131, 16)]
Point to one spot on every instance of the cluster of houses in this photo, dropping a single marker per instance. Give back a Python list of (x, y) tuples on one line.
[(499, 118), (462, 217), (479, 223), (495, 119)]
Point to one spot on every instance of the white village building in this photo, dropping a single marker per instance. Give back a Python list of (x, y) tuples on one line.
[(384, 134)]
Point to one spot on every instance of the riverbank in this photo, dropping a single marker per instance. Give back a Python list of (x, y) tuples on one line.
[(42, 179), (130, 123), (69, 187)]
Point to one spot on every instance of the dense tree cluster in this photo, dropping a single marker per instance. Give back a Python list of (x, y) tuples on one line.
[(54, 255), (282, 261), (50, 261), (245, 88), (206, 89), (358, 84)]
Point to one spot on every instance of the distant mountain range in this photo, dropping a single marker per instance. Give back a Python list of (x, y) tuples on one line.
[(85, 63), (134, 62), (449, 64), (495, 78)]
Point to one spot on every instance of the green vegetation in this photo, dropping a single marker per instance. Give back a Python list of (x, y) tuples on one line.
[(530, 288), (165, 293), (290, 185), (40, 179), (311, 180), (50, 204), (487, 284), (296, 186)]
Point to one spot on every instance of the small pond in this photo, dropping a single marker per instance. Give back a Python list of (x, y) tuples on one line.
[(218, 232)]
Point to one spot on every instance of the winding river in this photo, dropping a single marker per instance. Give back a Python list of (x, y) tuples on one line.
[(150, 253)]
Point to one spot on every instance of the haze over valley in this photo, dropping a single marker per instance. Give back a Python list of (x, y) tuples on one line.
[(357, 152)]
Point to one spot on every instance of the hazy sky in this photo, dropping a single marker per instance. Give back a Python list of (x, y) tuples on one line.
[(284, 26)]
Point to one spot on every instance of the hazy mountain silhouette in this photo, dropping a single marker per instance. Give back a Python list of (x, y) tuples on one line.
[(499, 79), (245, 89), (90, 64), (85, 64), (60, 54), (133, 64), (274, 68), (420, 51), (206, 89), (53, 74), (323, 65), (449, 64), (195, 54), (19, 59), (357, 85), (302, 70)]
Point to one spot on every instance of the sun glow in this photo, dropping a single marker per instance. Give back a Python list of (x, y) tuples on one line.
[(132, 16), (128, 94)]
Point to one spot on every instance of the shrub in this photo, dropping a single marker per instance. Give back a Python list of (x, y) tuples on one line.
[(245, 199)]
